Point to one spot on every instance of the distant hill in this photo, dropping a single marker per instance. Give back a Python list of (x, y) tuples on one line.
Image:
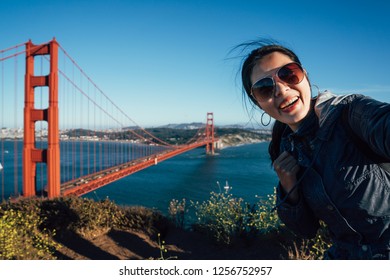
[(184, 126), (228, 136), (246, 126)]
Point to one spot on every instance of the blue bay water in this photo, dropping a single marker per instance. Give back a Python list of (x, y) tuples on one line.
[(192, 175)]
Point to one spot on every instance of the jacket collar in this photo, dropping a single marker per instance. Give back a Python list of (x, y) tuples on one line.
[(320, 122), (328, 108)]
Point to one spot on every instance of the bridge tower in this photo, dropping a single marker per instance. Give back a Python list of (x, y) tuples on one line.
[(50, 155), (210, 133)]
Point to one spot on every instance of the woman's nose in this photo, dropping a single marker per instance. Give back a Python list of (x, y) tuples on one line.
[(280, 87)]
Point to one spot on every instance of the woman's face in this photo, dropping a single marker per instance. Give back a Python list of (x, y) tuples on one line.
[(290, 103)]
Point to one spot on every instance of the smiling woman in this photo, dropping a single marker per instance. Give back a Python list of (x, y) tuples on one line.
[(324, 174)]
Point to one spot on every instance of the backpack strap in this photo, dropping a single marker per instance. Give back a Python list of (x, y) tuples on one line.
[(383, 162)]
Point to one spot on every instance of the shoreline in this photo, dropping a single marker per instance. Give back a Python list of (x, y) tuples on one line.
[(235, 140), (241, 144)]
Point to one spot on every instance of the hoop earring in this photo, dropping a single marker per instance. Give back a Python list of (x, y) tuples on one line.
[(262, 121)]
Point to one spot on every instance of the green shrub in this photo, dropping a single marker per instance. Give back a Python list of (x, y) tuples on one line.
[(264, 218), (82, 216), (144, 219), (222, 217), (20, 236), (95, 218)]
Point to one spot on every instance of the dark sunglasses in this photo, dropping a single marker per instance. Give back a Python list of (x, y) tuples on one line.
[(291, 73)]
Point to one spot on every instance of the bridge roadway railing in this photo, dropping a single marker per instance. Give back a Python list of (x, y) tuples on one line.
[(99, 179)]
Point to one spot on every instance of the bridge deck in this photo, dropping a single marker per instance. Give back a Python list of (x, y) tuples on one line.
[(99, 179)]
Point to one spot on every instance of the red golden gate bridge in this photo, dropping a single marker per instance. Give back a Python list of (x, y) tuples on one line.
[(72, 138)]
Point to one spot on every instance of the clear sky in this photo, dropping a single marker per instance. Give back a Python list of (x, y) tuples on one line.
[(168, 61)]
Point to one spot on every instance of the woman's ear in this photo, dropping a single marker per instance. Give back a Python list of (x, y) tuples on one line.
[(258, 105)]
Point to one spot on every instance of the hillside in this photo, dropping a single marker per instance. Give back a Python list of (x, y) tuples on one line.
[(228, 136), (238, 136), (76, 228)]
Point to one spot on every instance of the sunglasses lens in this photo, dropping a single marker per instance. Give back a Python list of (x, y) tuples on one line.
[(263, 89), (291, 73)]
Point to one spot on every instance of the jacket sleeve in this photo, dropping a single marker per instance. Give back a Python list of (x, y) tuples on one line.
[(299, 218), (370, 120)]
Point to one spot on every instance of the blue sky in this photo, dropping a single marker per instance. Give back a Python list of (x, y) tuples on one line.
[(168, 61)]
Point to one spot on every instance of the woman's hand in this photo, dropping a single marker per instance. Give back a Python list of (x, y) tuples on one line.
[(286, 168)]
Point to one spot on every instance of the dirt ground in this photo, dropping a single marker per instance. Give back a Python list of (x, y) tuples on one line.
[(180, 244)]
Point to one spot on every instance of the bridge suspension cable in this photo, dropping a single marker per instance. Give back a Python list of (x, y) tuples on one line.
[(110, 100), (2, 52), (11, 116)]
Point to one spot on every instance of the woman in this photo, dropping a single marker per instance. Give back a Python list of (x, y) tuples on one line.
[(323, 173)]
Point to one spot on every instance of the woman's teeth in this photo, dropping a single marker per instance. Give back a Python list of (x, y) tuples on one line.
[(288, 103)]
